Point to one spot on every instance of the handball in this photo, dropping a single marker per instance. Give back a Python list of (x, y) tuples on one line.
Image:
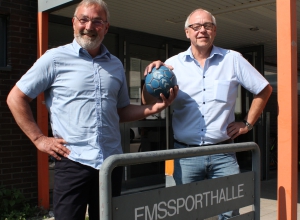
[(160, 81)]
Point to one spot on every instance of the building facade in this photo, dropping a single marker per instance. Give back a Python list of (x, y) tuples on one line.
[(18, 40), (18, 36)]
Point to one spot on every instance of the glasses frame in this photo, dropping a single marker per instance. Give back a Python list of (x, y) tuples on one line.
[(199, 26), (95, 22)]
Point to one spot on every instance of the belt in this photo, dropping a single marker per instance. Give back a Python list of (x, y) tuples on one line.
[(228, 141)]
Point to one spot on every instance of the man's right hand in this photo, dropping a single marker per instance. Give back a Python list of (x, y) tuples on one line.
[(155, 64), (18, 103), (52, 146)]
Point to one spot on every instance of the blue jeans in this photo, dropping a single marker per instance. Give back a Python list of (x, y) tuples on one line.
[(193, 169)]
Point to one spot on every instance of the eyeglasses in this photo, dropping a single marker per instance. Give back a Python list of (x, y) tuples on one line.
[(96, 22), (206, 25)]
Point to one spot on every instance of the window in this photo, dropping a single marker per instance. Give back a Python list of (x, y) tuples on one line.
[(3, 32)]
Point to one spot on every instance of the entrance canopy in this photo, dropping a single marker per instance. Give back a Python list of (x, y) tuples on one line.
[(240, 23), (53, 5)]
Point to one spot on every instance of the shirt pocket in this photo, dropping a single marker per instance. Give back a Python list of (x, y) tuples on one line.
[(221, 90)]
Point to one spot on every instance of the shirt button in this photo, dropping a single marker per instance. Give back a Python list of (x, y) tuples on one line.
[(202, 116), (203, 89), (203, 76), (203, 102)]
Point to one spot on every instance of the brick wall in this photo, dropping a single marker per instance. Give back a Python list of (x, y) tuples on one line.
[(18, 156)]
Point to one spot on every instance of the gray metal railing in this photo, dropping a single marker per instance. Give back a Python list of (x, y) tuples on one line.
[(154, 156)]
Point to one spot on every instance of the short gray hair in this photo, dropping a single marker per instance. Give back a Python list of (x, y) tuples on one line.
[(101, 3), (186, 25)]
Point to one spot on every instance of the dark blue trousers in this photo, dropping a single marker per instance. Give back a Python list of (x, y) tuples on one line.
[(75, 186)]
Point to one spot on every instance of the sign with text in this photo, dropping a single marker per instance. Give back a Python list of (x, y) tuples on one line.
[(196, 200)]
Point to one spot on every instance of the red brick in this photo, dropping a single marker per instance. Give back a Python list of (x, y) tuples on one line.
[(8, 182), (23, 164), (22, 185), (20, 142), (27, 158), (12, 170), (10, 5), (23, 2), (22, 153), (5, 176), (5, 154), (11, 160), (11, 126), (5, 143), (29, 190), (10, 137), (28, 41), (11, 149), (29, 170), (4, 132), (5, 166)]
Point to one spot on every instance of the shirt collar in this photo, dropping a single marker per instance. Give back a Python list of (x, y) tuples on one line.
[(215, 51), (103, 49)]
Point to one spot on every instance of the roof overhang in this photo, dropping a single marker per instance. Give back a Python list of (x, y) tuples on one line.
[(53, 5)]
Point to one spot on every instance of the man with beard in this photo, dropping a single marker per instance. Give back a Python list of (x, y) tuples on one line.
[(86, 95)]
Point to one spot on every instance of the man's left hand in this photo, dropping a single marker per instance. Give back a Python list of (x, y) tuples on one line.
[(235, 129), (164, 102)]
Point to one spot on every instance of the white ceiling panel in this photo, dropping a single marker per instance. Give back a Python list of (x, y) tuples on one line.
[(167, 17)]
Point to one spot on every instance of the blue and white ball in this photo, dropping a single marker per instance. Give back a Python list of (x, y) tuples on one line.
[(160, 81)]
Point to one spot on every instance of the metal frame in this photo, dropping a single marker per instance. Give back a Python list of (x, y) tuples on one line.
[(153, 156)]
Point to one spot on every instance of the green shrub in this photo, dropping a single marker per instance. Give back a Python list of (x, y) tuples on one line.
[(14, 206)]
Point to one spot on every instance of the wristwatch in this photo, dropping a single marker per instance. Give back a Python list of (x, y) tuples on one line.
[(249, 126)]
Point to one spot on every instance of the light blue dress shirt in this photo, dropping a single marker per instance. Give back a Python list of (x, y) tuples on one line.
[(206, 99), (82, 95)]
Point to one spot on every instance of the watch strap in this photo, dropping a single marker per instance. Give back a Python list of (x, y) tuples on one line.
[(249, 126)]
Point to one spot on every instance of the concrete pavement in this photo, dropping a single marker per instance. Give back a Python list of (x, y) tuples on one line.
[(268, 201)]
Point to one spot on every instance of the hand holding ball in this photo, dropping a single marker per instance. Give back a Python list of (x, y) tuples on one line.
[(160, 81)]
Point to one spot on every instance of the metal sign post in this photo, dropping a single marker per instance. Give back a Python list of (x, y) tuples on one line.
[(200, 200)]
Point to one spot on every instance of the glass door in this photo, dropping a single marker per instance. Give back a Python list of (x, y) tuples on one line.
[(148, 134), (255, 56)]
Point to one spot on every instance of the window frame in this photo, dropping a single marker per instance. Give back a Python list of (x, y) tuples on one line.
[(3, 42)]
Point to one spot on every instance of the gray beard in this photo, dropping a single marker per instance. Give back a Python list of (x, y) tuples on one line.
[(88, 44)]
